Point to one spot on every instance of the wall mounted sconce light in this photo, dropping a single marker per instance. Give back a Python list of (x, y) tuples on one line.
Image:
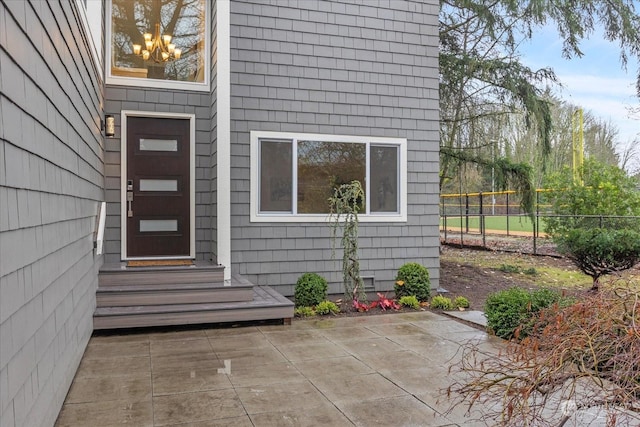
[(109, 126)]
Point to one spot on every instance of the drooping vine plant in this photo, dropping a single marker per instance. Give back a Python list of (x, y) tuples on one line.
[(346, 202)]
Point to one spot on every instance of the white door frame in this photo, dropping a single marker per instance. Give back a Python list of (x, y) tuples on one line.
[(124, 114)]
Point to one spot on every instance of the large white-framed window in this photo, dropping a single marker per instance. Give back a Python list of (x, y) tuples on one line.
[(158, 44), (294, 174)]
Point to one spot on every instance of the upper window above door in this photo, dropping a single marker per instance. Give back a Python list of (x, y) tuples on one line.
[(158, 43)]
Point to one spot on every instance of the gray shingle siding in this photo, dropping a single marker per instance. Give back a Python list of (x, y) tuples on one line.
[(51, 178), (347, 68), (366, 67)]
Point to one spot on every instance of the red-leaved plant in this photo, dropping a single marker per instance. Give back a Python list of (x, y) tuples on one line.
[(360, 306), (383, 303)]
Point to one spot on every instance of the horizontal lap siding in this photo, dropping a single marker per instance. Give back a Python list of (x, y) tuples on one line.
[(348, 68), (118, 98), (51, 178)]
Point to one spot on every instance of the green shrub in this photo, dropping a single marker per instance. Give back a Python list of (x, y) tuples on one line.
[(304, 311), (599, 251), (543, 298), (531, 271), (443, 303), (461, 302), (327, 307), (515, 308), (410, 301), (506, 310), (602, 190), (413, 279), (508, 268), (311, 290)]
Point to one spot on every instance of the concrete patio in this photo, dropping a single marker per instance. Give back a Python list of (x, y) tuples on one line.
[(384, 370)]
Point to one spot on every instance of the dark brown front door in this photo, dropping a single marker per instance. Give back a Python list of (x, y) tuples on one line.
[(158, 202)]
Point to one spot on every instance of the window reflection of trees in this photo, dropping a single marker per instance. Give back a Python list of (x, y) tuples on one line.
[(183, 19), (384, 179), (323, 166), (275, 176)]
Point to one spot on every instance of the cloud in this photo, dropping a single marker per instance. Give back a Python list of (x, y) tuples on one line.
[(606, 97), (611, 110), (605, 86), (596, 82), (601, 106)]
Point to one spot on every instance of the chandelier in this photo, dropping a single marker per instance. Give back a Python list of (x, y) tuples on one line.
[(157, 48)]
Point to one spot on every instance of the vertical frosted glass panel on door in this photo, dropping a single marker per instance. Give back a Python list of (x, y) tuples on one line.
[(155, 225), (158, 185), (147, 144)]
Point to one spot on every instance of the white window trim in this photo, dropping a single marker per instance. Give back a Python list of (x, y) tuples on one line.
[(124, 114), (257, 216), (154, 83), (91, 17)]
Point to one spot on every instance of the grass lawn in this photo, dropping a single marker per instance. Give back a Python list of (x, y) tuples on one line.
[(498, 222)]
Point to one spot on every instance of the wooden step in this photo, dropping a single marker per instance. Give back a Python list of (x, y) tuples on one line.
[(167, 294), (119, 274), (266, 304)]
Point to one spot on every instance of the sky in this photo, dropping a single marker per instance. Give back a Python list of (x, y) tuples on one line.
[(597, 82)]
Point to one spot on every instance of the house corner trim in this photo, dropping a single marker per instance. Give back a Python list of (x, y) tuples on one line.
[(223, 90)]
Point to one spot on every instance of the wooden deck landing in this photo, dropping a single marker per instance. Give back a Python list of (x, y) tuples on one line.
[(181, 295), (266, 304)]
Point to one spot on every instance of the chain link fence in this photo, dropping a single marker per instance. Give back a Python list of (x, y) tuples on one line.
[(482, 218)]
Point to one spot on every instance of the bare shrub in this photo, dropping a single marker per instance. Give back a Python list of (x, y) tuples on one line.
[(578, 357)]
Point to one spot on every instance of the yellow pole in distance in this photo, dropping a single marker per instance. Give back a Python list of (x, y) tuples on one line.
[(577, 144)]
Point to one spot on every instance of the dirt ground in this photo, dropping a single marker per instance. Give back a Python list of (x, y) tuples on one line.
[(476, 273)]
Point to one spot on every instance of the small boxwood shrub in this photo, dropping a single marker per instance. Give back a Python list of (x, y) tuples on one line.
[(304, 311), (327, 307), (543, 298), (514, 308), (311, 290), (413, 279), (461, 302), (410, 301), (509, 268), (441, 302)]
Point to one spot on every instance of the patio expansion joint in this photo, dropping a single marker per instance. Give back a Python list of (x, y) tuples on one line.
[(331, 402)]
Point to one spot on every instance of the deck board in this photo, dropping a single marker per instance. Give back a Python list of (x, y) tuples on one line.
[(117, 274), (266, 304)]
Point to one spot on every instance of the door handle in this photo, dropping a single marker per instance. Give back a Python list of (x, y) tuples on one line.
[(129, 203)]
